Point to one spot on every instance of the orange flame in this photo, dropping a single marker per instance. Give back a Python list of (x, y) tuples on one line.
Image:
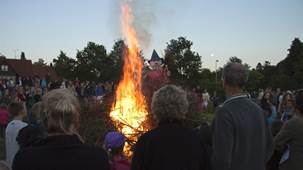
[(129, 108)]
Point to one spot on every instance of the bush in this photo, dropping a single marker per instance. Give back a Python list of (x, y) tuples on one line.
[(94, 120)]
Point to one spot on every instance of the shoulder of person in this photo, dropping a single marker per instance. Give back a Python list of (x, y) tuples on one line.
[(94, 151), (20, 124), (147, 135), (23, 123), (22, 158), (26, 154), (10, 123), (293, 122), (222, 109)]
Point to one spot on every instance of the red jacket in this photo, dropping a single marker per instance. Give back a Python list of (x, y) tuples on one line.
[(3, 116)]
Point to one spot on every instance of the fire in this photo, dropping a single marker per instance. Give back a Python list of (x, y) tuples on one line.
[(129, 111)]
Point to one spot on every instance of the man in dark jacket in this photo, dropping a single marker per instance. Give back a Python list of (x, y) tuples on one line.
[(170, 146), (242, 140)]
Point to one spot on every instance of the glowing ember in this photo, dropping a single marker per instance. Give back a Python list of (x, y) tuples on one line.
[(129, 109)]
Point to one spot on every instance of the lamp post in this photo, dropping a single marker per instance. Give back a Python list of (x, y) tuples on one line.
[(16, 50), (216, 74)]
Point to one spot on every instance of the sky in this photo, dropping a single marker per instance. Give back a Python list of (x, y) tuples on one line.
[(253, 30)]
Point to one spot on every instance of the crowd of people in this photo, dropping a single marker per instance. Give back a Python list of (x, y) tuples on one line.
[(261, 134), (30, 90)]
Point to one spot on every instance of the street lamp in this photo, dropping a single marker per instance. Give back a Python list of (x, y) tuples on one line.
[(16, 50), (216, 74)]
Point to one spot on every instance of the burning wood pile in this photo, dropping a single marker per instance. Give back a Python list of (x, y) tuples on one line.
[(129, 110)]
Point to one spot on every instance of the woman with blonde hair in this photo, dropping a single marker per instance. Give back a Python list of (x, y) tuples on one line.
[(63, 147)]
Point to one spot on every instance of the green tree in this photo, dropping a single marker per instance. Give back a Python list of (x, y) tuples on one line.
[(116, 55), (207, 80), (235, 59), (92, 63), (64, 66), (254, 80), (40, 62), (292, 65), (184, 64), (259, 67)]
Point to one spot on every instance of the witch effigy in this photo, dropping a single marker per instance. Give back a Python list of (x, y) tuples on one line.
[(156, 76)]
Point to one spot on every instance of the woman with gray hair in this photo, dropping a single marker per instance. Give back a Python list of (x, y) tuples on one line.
[(171, 145), (63, 147)]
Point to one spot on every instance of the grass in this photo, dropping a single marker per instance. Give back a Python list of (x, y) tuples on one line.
[(209, 113)]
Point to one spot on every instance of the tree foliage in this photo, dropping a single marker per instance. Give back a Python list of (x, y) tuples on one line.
[(95, 64), (40, 62), (235, 59), (64, 66), (116, 55), (91, 62), (287, 74), (184, 64)]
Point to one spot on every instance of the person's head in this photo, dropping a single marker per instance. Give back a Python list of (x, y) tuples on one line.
[(299, 102), (36, 111), (235, 76), (267, 96), (60, 112), (38, 91), (169, 102), (114, 143), (288, 100), (16, 109)]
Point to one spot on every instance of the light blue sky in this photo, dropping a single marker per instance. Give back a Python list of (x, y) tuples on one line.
[(254, 30)]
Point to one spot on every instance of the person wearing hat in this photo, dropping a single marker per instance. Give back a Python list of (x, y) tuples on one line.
[(114, 144), (154, 77), (291, 135)]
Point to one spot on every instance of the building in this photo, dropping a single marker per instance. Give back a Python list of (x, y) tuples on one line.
[(15, 68)]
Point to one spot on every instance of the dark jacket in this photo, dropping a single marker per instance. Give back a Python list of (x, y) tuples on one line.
[(62, 152), (170, 146), (242, 140), (291, 134), (120, 165), (30, 135)]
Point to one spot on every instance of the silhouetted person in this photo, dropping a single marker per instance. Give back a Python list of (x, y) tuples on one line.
[(171, 145), (63, 148), (291, 137), (241, 139)]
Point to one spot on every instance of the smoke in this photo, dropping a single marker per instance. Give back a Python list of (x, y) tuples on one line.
[(144, 18)]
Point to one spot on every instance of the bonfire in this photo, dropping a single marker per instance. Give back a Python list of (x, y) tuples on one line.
[(129, 109)]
